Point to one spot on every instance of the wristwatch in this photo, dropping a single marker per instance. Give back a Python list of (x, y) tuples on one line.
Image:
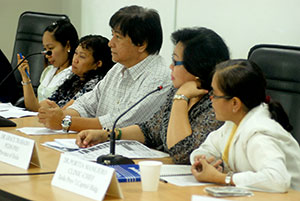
[(180, 97), (66, 123), (228, 178)]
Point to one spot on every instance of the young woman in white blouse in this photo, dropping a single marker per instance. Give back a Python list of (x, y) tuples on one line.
[(254, 148), (61, 39)]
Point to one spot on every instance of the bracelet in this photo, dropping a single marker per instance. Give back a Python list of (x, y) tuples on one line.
[(108, 133), (119, 134), (180, 97), (116, 130), (26, 83)]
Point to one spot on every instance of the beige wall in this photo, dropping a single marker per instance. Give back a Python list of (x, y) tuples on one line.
[(10, 10), (242, 24)]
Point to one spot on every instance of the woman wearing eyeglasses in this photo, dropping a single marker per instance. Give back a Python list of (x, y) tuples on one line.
[(187, 117), (254, 145)]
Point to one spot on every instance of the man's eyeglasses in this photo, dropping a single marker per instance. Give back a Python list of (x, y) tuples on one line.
[(176, 63)]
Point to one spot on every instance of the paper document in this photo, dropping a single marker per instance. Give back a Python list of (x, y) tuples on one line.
[(188, 180), (7, 110), (62, 145), (7, 106), (179, 175), (127, 148), (42, 131), (175, 170), (205, 198)]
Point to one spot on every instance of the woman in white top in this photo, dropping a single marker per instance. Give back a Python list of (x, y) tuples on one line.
[(61, 39), (254, 148)]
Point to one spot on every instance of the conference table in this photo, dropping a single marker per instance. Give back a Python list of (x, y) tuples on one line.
[(38, 187)]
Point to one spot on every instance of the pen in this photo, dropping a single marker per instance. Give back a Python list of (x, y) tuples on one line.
[(21, 56)]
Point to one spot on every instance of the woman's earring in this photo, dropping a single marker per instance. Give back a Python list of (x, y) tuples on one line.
[(69, 51)]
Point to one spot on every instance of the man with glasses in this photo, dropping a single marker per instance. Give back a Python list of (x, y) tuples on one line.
[(135, 44)]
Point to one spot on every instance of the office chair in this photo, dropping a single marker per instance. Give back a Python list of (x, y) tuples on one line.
[(28, 40), (281, 66)]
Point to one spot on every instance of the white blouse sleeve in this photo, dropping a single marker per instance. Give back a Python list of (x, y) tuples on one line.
[(268, 162)]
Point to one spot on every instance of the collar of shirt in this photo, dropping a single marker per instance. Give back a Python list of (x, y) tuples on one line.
[(135, 71)]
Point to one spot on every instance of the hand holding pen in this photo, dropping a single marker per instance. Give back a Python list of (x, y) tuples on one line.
[(23, 68), (25, 63)]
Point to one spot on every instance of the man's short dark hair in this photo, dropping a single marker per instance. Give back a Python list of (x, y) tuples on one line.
[(141, 25)]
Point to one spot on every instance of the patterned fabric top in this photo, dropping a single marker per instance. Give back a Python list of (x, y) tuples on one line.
[(202, 120), (63, 95)]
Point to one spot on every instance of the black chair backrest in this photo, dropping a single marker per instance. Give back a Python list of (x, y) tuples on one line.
[(29, 40), (281, 66)]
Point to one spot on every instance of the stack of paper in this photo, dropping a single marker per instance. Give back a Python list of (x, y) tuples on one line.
[(63, 145), (42, 131), (7, 110), (127, 148)]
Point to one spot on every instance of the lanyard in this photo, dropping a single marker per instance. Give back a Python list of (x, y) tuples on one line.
[(228, 144)]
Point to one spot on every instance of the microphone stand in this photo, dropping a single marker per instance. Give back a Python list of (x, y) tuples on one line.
[(111, 158), (42, 52)]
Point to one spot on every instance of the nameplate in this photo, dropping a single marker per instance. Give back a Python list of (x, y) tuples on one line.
[(18, 151), (86, 178)]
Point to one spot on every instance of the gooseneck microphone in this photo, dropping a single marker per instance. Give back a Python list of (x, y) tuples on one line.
[(49, 53), (111, 158)]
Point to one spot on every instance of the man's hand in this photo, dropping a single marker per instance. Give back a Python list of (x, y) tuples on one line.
[(45, 103), (51, 115)]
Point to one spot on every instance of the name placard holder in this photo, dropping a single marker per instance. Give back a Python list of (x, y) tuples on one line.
[(86, 178), (18, 151)]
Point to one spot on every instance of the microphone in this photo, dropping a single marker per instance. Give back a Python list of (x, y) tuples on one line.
[(112, 159), (49, 53)]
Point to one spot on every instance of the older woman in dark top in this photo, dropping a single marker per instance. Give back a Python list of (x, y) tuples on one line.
[(187, 116), (91, 61)]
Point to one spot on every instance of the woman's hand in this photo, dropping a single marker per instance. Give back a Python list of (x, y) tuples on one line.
[(206, 172), (191, 89), (23, 68), (211, 160), (88, 138)]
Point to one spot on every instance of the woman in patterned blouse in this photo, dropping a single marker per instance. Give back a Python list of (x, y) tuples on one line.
[(91, 61), (187, 116)]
